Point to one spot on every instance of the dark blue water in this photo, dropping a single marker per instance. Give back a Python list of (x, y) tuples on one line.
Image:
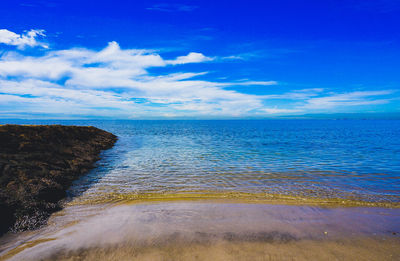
[(323, 158)]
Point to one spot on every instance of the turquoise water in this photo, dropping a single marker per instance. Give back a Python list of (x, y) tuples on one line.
[(321, 158)]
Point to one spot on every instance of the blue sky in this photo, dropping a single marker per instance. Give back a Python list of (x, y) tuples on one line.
[(198, 59)]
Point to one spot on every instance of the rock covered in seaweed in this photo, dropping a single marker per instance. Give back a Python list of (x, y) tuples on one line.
[(37, 165)]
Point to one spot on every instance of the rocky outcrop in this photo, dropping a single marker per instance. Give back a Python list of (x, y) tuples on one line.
[(38, 164)]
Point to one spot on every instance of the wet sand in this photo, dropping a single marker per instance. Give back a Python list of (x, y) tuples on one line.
[(355, 249), (204, 230)]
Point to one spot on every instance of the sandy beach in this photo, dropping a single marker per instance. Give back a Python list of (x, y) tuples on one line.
[(204, 230)]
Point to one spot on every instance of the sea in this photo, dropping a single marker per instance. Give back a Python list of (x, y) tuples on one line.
[(328, 159)]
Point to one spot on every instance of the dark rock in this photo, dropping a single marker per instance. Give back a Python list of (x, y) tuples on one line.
[(38, 164)]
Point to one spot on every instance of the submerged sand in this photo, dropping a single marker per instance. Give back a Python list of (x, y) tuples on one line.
[(193, 230)]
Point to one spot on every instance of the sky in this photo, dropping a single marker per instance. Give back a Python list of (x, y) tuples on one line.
[(198, 59)]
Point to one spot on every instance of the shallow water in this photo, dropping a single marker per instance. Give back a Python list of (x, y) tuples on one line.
[(351, 159)]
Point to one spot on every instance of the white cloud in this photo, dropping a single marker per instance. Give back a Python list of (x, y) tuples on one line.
[(247, 83), (316, 99), (280, 111), (118, 81), (358, 98), (232, 57), (22, 40), (302, 94), (190, 58)]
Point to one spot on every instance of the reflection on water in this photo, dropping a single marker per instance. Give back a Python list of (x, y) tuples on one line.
[(252, 230)]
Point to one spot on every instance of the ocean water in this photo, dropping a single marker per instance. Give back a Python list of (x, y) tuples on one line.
[(351, 159)]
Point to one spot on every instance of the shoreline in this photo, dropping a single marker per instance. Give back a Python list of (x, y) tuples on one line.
[(192, 228), (227, 197)]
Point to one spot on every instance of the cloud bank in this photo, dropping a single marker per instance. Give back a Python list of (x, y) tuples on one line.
[(118, 83)]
